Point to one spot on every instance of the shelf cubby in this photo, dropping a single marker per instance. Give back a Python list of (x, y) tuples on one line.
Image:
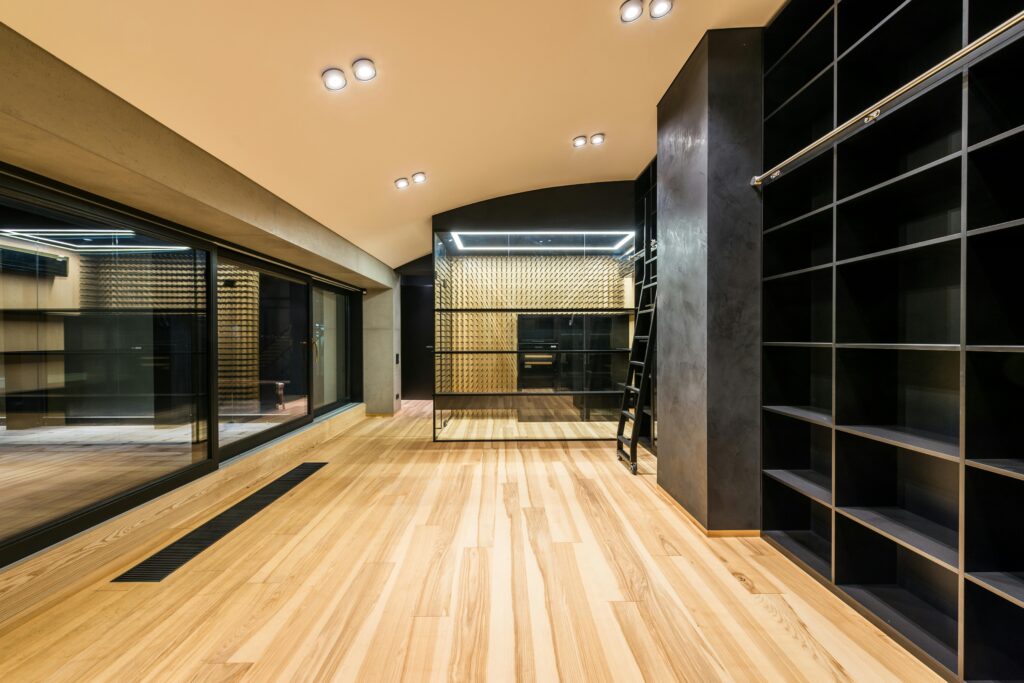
[(921, 207), (798, 308), (994, 388), (995, 288), (923, 131), (804, 244), (857, 19), (798, 454), (915, 596), (886, 59), (993, 191), (909, 497), (995, 102), (907, 398), (805, 60), (985, 15), (994, 524), (801, 120), (909, 297), (793, 22), (798, 379), (992, 637), (806, 189), (799, 524)]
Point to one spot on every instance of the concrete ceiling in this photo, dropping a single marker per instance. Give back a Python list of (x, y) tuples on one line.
[(482, 95)]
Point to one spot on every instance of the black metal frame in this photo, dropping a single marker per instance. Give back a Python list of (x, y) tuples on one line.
[(35, 193)]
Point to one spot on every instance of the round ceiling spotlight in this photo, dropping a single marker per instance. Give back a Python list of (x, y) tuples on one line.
[(402, 183), (419, 177), (334, 79), (631, 10), (579, 141), (597, 139), (364, 69), (660, 8)]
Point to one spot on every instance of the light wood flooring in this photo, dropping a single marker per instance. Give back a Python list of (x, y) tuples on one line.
[(408, 560)]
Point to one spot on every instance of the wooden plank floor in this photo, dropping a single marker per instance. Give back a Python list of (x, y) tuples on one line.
[(407, 560)]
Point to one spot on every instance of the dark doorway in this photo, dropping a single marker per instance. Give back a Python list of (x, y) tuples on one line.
[(417, 329)]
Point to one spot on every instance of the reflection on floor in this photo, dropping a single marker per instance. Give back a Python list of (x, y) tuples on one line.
[(487, 429), (404, 559), (49, 472), (234, 426)]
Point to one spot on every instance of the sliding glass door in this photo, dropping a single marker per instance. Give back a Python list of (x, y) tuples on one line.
[(331, 376)]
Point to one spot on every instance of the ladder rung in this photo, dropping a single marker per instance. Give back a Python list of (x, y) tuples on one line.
[(637, 362), (650, 284), (641, 338), (628, 415), (643, 311), (630, 387), (622, 438)]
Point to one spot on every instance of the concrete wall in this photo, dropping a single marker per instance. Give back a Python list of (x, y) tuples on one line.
[(709, 319), (382, 342), (56, 122)]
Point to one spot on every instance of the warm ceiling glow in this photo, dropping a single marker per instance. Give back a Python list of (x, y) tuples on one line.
[(579, 141), (364, 69), (631, 10), (660, 8), (419, 177), (597, 139), (334, 79), (402, 183)]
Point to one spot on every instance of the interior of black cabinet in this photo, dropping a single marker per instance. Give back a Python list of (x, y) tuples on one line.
[(920, 35), (909, 297), (803, 62), (799, 524), (909, 398), (799, 192), (857, 18), (985, 15), (800, 245), (993, 190), (995, 101), (795, 19), (914, 595), (798, 308), (799, 122), (993, 528), (995, 288), (921, 207), (994, 389), (922, 131), (992, 637), (799, 377), (798, 454), (908, 496)]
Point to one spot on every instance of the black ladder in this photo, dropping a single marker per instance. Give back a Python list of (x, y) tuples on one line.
[(636, 394)]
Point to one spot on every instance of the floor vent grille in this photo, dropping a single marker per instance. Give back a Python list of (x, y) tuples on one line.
[(160, 565)]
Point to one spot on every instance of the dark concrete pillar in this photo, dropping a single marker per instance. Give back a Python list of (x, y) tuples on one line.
[(709, 289)]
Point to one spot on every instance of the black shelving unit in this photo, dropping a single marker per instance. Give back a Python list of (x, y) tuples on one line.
[(893, 330)]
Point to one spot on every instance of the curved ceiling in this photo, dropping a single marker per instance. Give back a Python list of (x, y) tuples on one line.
[(482, 95)]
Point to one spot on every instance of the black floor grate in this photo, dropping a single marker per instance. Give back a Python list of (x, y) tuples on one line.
[(160, 565)]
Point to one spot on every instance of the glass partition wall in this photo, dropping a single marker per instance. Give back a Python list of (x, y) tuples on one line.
[(109, 355), (531, 333)]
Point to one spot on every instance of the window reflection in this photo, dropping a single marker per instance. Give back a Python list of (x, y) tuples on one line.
[(102, 363), (262, 325), (330, 355)]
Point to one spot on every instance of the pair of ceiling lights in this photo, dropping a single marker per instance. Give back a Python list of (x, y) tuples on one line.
[(363, 69), (581, 140), (419, 177), (631, 10)]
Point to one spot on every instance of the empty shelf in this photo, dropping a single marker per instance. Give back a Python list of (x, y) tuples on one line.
[(818, 416), (930, 443), (911, 616), (1009, 585), (811, 483), (1007, 466), (911, 530), (808, 547)]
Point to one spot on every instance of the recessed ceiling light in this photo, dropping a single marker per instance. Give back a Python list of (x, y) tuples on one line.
[(364, 69), (660, 8), (631, 10), (579, 141), (402, 183), (419, 177), (597, 139), (334, 79)]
